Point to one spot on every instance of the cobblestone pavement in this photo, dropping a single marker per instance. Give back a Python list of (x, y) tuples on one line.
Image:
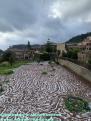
[(30, 91)]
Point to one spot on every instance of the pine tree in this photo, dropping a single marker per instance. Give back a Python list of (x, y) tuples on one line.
[(28, 46)]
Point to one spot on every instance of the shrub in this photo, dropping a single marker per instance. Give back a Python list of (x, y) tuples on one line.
[(89, 61), (76, 104), (4, 64), (71, 53), (50, 62), (57, 63), (6, 72), (7, 81), (44, 72), (9, 56), (9, 72), (44, 56), (1, 88)]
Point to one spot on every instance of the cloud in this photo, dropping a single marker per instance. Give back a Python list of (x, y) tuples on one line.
[(38, 20), (66, 9)]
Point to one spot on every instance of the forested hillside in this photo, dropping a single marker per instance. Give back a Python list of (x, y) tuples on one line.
[(78, 38)]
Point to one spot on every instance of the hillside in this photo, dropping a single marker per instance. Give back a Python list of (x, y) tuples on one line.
[(23, 46), (79, 38)]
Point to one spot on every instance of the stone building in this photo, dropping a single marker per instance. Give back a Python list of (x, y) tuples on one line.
[(84, 56), (21, 54), (85, 50), (61, 47), (72, 46)]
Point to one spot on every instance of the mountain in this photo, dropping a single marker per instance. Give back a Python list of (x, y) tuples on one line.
[(23, 46), (79, 38), (20, 46)]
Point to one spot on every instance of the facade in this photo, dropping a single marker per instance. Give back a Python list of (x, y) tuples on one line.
[(72, 45), (84, 56), (61, 47), (21, 54), (85, 50)]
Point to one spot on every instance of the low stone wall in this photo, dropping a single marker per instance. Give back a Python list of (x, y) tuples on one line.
[(81, 71)]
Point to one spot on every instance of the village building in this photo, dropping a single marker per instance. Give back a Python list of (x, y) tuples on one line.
[(61, 47), (22, 52), (85, 50), (72, 46)]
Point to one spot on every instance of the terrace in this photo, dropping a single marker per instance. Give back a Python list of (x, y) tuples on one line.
[(43, 88)]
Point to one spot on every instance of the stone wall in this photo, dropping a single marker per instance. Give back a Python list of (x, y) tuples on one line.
[(81, 71)]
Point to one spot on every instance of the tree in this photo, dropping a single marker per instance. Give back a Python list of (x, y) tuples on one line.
[(72, 53), (28, 46), (9, 56), (89, 61), (1, 88), (44, 56), (49, 48), (1, 52)]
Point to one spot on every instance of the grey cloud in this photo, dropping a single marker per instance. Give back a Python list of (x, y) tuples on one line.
[(17, 13), (23, 20)]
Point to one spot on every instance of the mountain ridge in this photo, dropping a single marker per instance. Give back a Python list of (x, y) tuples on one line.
[(78, 38)]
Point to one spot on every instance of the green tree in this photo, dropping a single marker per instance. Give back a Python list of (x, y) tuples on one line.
[(49, 47), (44, 56), (28, 46), (1, 88), (89, 61), (9, 56), (72, 53)]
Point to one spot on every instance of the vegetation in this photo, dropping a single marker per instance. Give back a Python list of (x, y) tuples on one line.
[(36, 57), (72, 54), (9, 56), (57, 63), (76, 104), (50, 48), (89, 62), (46, 53), (79, 38), (1, 88), (1, 52), (6, 72), (7, 81), (50, 62), (28, 46), (45, 56), (44, 72), (6, 68)]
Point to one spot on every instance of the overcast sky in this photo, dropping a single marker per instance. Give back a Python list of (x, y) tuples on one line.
[(38, 20)]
